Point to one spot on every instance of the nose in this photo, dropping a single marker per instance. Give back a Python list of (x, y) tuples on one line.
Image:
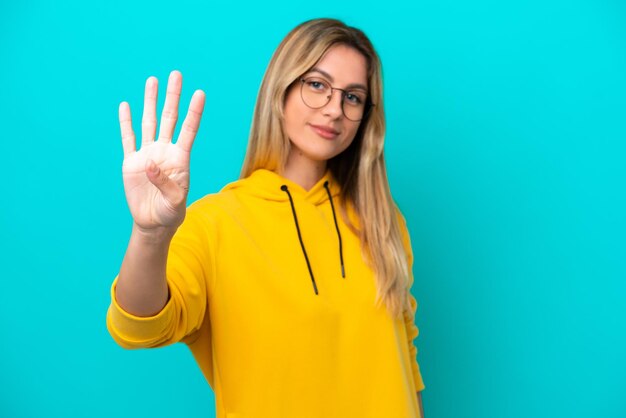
[(334, 107)]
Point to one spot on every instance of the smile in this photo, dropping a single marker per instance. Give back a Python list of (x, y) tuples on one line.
[(324, 132)]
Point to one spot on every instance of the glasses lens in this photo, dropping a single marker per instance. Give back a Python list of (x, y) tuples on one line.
[(354, 105), (316, 93)]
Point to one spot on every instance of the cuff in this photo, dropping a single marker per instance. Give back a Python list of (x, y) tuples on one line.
[(131, 331)]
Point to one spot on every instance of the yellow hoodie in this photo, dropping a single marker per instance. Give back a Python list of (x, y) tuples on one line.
[(257, 294)]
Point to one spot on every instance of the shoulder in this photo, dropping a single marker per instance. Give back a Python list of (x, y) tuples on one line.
[(214, 205), (206, 216)]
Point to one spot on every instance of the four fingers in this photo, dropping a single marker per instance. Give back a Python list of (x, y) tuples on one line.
[(149, 120), (126, 127), (169, 116)]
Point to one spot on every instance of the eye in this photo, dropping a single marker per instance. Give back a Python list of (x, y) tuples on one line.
[(316, 85), (353, 98)]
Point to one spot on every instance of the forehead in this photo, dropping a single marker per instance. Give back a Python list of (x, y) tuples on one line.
[(344, 65)]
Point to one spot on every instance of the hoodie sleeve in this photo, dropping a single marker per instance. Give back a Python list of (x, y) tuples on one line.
[(190, 280), (409, 315)]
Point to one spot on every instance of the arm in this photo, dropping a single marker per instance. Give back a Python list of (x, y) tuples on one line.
[(141, 287), (189, 279), (409, 315), (156, 181), (148, 310)]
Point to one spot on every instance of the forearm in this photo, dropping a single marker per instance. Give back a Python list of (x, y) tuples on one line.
[(142, 287)]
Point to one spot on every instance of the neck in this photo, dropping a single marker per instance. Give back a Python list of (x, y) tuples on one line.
[(304, 171)]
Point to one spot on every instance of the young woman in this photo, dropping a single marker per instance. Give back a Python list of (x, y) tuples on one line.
[(291, 285)]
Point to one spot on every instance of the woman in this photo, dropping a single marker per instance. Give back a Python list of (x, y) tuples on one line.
[(291, 285)]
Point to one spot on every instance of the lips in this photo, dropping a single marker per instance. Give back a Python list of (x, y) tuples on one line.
[(325, 131)]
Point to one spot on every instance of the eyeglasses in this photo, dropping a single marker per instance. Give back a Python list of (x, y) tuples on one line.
[(316, 93)]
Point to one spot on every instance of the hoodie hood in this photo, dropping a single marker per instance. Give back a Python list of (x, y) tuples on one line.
[(268, 185)]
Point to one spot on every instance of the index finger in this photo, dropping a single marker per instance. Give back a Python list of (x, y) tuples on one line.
[(149, 121), (192, 121)]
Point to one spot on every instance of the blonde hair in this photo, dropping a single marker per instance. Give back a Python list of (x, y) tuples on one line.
[(360, 169)]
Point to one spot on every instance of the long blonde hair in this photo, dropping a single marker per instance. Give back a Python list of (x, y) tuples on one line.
[(360, 169)]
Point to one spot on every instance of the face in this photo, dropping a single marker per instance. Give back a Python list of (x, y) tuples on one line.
[(319, 134)]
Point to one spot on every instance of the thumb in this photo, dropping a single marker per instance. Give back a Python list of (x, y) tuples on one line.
[(171, 191)]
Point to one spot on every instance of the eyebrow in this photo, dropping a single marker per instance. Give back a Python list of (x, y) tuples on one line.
[(330, 78)]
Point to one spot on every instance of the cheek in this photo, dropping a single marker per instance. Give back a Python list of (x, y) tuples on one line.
[(353, 131), (293, 111)]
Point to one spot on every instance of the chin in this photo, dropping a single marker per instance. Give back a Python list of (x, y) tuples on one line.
[(321, 156), (318, 149), (325, 151)]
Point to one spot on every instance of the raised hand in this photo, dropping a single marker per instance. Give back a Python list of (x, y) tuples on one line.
[(156, 177)]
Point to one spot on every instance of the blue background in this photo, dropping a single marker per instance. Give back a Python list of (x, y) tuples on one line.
[(506, 152)]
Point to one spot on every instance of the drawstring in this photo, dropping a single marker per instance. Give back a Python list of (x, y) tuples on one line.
[(343, 271), (295, 218)]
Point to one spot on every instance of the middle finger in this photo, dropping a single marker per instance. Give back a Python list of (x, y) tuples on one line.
[(170, 108)]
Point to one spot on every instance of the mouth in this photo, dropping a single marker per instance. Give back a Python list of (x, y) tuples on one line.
[(324, 131)]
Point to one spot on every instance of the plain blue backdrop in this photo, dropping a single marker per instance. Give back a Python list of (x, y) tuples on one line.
[(506, 152)]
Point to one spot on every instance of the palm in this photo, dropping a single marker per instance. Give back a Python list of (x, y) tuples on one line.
[(147, 204), (159, 200)]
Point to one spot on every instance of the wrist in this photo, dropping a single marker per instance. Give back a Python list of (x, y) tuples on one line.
[(154, 236)]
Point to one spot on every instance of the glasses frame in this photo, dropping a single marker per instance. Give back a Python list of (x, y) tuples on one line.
[(366, 108)]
